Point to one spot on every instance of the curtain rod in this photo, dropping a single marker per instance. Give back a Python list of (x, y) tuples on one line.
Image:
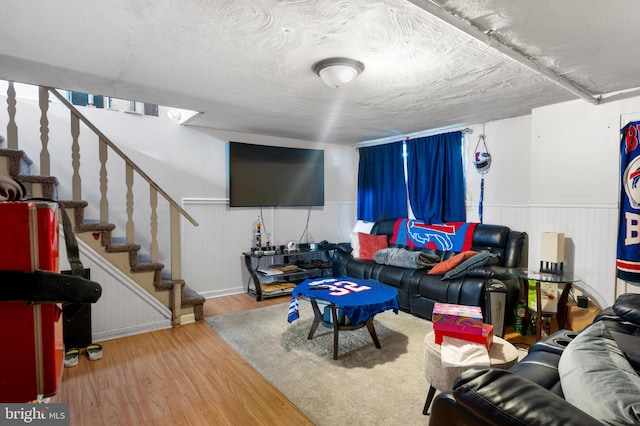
[(408, 136)]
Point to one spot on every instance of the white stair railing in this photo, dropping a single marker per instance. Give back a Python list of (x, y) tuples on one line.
[(132, 171)]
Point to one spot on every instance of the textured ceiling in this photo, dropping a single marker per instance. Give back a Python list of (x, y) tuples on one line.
[(246, 64)]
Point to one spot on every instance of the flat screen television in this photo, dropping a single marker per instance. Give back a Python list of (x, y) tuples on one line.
[(271, 176)]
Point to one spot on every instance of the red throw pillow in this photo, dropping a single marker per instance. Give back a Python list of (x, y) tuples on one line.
[(447, 265), (370, 244)]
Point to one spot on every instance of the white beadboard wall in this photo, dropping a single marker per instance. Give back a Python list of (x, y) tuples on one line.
[(590, 230), (213, 263), (212, 260)]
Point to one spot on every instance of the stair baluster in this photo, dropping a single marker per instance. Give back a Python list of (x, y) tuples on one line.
[(12, 127), (76, 180), (45, 158)]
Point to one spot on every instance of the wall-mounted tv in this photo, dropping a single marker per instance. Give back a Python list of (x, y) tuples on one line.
[(271, 176)]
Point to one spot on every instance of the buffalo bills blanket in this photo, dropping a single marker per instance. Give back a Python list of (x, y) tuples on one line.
[(451, 236)]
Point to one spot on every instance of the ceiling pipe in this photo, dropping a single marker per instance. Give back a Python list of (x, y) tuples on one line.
[(452, 19)]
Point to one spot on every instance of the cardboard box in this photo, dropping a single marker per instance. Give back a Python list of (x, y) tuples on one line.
[(457, 318), (548, 296), (486, 338), (579, 318)]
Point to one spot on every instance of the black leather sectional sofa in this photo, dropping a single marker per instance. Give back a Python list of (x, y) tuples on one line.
[(567, 379), (419, 291)]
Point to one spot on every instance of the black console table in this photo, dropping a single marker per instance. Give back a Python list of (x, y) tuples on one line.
[(296, 266)]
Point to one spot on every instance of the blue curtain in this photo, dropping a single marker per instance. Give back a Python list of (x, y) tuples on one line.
[(382, 192), (435, 178)]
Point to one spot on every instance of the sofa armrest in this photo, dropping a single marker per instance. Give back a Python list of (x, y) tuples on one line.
[(344, 248), (446, 411), (490, 271), (627, 306), (501, 397)]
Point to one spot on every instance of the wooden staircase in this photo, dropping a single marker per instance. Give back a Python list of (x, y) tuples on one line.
[(152, 276), (143, 268)]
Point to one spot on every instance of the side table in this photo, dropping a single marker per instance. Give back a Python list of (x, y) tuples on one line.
[(566, 278), (502, 355)]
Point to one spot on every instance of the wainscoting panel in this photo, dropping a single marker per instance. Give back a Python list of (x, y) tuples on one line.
[(590, 230), (626, 287), (125, 308), (212, 260), (213, 264)]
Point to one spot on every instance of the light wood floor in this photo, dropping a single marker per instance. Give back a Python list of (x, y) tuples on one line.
[(182, 376)]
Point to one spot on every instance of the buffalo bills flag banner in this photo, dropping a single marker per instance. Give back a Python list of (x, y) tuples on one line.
[(628, 256)]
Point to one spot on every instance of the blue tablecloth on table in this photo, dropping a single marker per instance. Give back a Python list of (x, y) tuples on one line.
[(359, 299)]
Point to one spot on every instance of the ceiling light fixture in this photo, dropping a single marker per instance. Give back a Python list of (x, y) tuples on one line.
[(337, 72)]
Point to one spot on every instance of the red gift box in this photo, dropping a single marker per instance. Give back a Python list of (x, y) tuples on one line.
[(486, 338), (457, 318)]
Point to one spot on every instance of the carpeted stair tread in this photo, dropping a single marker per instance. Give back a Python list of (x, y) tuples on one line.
[(192, 298), (168, 284), (120, 245), (74, 204), (38, 179), (49, 185), (121, 248), (143, 261), (97, 226), (19, 162), (140, 267), (78, 211)]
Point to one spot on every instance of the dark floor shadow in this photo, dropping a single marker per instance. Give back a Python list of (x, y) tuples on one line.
[(355, 347)]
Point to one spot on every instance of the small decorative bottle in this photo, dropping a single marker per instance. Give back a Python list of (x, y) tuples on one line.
[(257, 229), (519, 316)]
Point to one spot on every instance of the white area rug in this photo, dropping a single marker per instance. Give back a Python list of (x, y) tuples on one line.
[(364, 386)]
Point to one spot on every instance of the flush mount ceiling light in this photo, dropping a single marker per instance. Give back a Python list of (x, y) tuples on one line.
[(337, 72)]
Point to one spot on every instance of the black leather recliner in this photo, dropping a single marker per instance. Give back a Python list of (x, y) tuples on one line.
[(531, 392)]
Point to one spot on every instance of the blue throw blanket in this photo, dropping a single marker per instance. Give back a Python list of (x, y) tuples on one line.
[(451, 236)]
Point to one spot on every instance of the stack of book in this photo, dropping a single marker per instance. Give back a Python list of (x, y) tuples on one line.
[(461, 322), (277, 288)]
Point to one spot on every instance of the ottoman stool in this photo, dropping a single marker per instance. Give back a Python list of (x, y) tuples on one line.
[(502, 355)]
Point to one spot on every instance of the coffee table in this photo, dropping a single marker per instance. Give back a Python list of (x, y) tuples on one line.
[(501, 355), (360, 300)]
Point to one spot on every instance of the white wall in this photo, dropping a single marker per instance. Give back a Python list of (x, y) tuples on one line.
[(557, 170)]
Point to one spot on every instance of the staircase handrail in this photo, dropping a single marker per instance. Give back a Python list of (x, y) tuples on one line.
[(122, 155)]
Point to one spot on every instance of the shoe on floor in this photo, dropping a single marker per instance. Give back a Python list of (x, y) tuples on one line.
[(94, 352), (71, 358)]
